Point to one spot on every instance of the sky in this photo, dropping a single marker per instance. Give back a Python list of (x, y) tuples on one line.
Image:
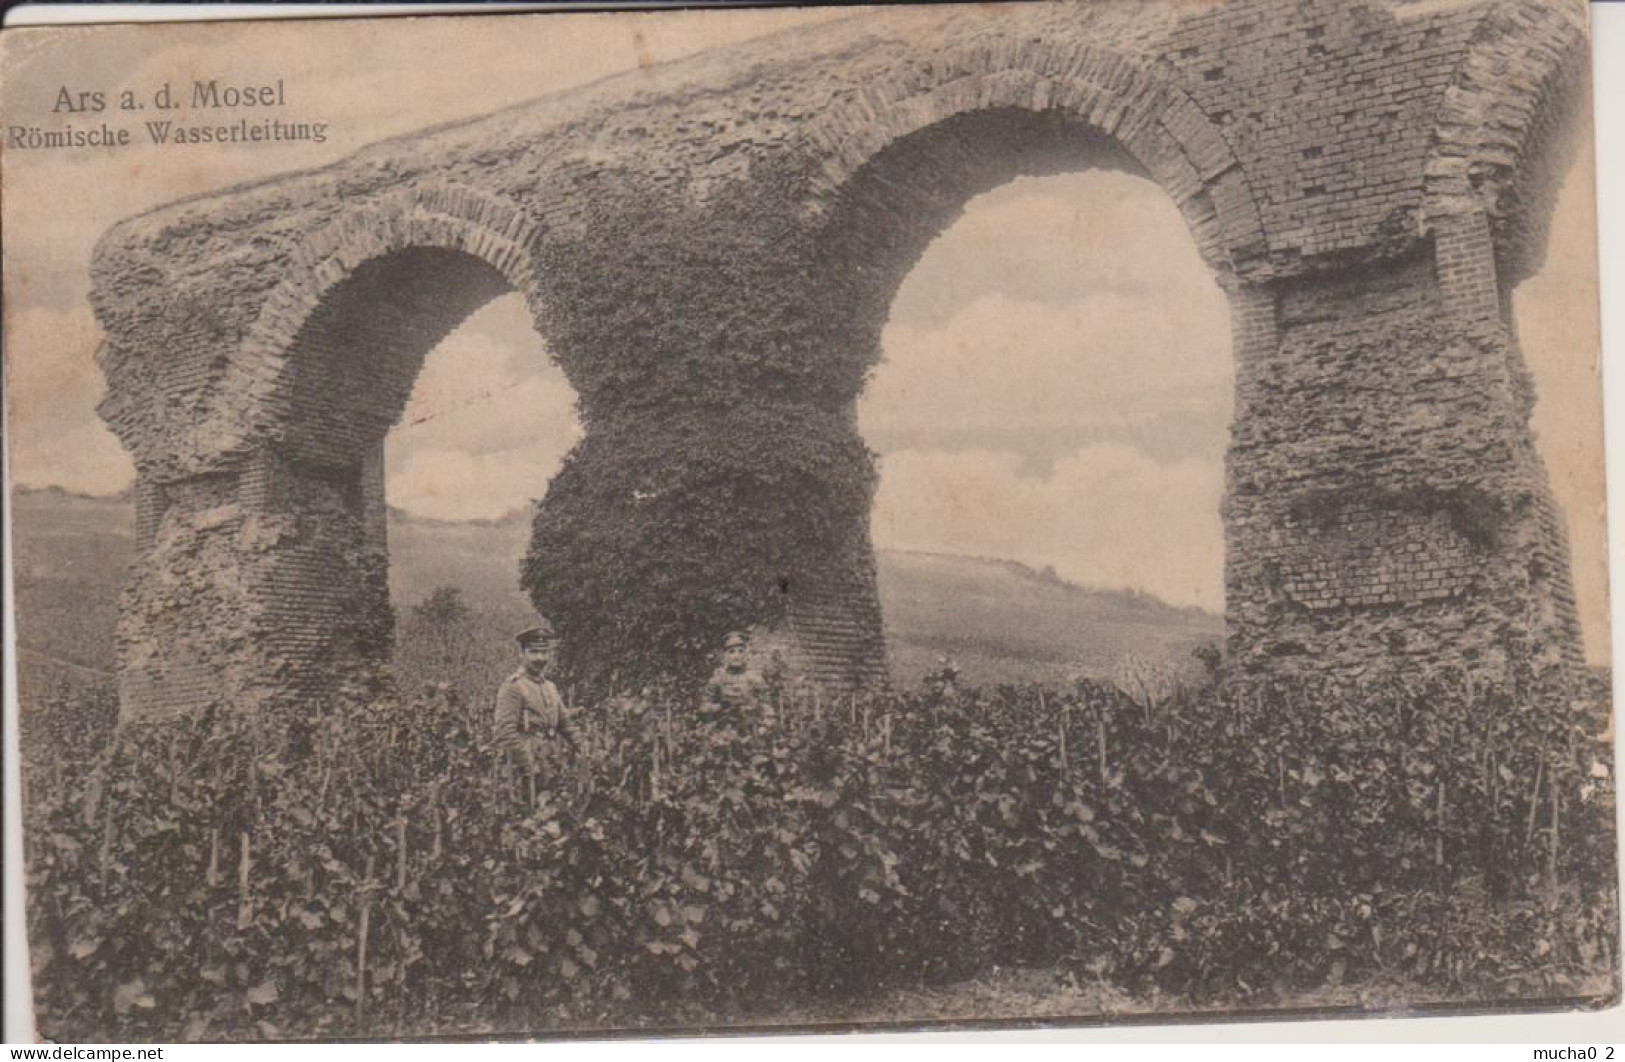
[(1097, 449), (1098, 445)]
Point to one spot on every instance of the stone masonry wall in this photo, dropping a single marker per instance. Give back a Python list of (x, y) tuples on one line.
[(295, 529), (1386, 504), (1367, 180)]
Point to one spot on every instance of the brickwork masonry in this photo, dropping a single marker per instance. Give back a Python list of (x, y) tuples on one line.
[(1367, 180)]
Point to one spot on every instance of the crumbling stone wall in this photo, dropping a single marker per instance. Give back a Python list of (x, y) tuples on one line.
[(1368, 180), (1384, 504), (265, 574)]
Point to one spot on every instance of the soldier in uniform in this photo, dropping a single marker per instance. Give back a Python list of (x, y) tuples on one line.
[(943, 683), (530, 719), (736, 693)]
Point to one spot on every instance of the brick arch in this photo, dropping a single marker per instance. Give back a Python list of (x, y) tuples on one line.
[(486, 227), (281, 477), (1503, 134), (900, 161), (1361, 178), (1149, 116), (1528, 198)]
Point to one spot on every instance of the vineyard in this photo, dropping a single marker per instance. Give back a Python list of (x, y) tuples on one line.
[(384, 871)]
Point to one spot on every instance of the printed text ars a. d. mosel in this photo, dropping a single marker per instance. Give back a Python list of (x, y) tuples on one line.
[(221, 112)]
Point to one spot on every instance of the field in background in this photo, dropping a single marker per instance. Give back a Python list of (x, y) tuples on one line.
[(391, 869), (1002, 622), (1056, 849)]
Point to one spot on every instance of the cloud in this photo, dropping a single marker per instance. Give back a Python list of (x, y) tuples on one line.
[(84, 457), (457, 485), (52, 386), (489, 421), (1057, 239), (1072, 305), (488, 387), (51, 354), (1104, 358), (1105, 515), (497, 418)]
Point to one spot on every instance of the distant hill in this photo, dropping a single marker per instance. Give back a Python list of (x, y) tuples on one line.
[(68, 558), (479, 557), (1004, 622), (1001, 621)]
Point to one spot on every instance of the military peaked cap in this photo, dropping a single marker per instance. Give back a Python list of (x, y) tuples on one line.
[(539, 634)]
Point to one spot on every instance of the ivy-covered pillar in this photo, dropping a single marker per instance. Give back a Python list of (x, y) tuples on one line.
[(721, 482), (665, 531), (1386, 506)]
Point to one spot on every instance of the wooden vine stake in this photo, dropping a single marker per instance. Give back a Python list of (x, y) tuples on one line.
[(105, 858), (1557, 812), (93, 795), (434, 810), (1060, 716), (1493, 785), (361, 945), (244, 861), (212, 877), (174, 771), (583, 776), (1438, 838), (1100, 739), (1534, 803), (400, 853)]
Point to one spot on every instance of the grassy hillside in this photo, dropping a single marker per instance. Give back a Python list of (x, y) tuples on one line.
[(68, 558), (1001, 621), (479, 557), (1004, 622)]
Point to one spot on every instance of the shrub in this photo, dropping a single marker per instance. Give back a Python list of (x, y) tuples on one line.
[(385, 869)]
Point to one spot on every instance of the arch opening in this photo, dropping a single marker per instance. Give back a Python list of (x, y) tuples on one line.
[(893, 207), (355, 360), (1050, 398), (484, 432), (1565, 419), (428, 352)]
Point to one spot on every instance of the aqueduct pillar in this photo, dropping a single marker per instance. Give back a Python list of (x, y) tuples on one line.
[(710, 248)]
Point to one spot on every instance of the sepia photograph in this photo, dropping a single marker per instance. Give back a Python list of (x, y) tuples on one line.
[(1058, 512)]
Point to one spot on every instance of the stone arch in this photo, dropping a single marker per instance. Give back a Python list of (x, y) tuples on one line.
[(281, 481), (986, 115), (1505, 135), (1149, 116), (1505, 130), (1367, 289), (1529, 199), (447, 217)]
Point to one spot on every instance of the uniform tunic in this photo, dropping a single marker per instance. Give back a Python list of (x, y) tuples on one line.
[(529, 717), (738, 696)]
